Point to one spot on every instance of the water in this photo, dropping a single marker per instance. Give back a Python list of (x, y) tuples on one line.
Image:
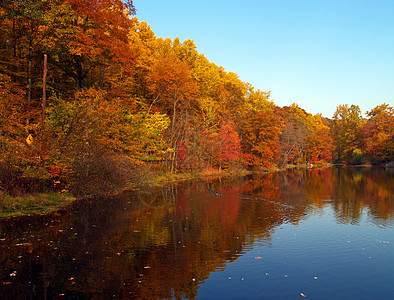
[(318, 234)]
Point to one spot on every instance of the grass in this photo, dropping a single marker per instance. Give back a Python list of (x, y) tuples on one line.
[(32, 203), (163, 178)]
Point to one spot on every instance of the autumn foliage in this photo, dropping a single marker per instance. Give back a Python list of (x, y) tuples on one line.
[(122, 102)]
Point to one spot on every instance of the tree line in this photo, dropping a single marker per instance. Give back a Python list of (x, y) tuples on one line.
[(121, 100)]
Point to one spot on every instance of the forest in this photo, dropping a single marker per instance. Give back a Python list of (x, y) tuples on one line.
[(91, 99)]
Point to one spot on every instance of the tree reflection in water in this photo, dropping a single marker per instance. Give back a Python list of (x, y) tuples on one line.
[(165, 242)]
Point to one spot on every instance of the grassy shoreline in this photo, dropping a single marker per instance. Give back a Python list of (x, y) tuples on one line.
[(28, 204), (45, 203)]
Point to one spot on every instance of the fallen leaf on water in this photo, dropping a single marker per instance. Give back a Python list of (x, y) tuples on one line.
[(303, 295)]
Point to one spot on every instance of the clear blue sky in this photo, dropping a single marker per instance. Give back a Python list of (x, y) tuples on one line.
[(317, 53)]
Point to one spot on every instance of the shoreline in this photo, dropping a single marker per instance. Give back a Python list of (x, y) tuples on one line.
[(29, 204), (47, 203)]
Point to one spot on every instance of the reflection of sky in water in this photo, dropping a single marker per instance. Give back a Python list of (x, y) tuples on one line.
[(320, 257)]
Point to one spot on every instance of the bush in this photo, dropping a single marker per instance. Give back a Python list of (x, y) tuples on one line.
[(357, 157)]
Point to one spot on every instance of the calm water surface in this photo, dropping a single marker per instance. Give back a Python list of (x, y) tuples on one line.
[(319, 234)]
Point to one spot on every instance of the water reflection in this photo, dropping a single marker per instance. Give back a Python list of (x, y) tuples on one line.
[(164, 243)]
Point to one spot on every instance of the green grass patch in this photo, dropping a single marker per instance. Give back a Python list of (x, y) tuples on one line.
[(32, 203)]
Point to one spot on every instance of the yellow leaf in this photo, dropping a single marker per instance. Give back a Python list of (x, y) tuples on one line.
[(29, 139)]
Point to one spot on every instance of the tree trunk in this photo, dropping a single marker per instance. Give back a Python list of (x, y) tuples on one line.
[(44, 95)]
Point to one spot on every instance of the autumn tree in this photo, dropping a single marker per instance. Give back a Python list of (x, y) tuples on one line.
[(319, 142), (260, 126), (12, 112), (95, 137), (81, 35), (209, 80), (294, 134), (20, 55), (173, 87), (229, 145), (347, 133), (378, 134), (144, 45)]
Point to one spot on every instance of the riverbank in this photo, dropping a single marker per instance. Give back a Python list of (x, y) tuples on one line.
[(37, 203), (43, 203)]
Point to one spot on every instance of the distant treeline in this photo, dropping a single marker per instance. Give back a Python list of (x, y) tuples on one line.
[(118, 100)]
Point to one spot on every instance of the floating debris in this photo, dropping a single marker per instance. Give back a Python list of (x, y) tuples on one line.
[(213, 193), (23, 244)]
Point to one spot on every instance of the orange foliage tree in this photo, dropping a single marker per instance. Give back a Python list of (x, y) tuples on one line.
[(171, 82), (81, 36), (379, 134), (260, 126)]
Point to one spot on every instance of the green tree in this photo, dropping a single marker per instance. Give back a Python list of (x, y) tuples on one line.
[(347, 133)]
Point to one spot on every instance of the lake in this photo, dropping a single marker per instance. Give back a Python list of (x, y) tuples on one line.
[(318, 234)]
